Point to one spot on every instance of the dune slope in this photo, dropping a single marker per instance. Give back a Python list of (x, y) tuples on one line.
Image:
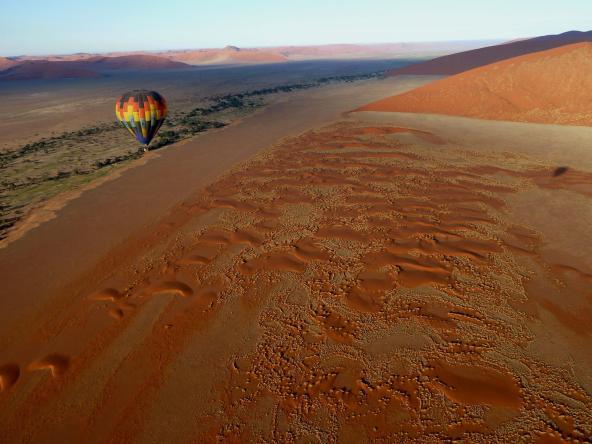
[(546, 87), (464, 61), (228, 55), (364, 281), (41, 69), (136, 61), (6, 63), (91, 67)]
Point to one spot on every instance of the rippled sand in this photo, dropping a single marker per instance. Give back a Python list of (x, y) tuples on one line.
[(362, 282)]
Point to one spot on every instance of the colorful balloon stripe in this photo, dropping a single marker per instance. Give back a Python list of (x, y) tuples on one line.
[(142, 113)]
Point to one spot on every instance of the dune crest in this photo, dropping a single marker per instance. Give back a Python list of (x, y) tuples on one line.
[(6, 63), (507, 90), (400, 297), (42, 69), (227, 55), (464, 61), (87, 67), (135, 61)]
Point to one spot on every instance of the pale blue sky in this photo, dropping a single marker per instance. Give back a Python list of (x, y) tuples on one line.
[(65, 26)]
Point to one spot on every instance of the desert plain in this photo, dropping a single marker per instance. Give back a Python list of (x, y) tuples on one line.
[(317, 270)]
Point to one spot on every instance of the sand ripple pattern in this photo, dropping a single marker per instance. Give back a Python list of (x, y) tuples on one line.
[(353, 284)]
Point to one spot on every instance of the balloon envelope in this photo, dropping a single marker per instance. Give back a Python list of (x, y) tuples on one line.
[(142, 113)]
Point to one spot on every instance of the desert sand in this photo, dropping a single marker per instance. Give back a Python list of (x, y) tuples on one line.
[(71, 104), (47, 70), (464, 61), (57, 137), (235, 55), (6, 63), (383, 277), (87, 67), (227, 55), (551, 86)]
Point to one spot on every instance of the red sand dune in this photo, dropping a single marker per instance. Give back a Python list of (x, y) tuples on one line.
[(229, 54), (41, 69), (235, 55), (232, 54), (6, 63), (135, 61), (170, 59), (90, 67), (463, 61), (378, 50), (552, 86)]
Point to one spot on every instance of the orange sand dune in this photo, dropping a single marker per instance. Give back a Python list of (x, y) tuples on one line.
[(463, 61), (312, 295), (135, 61), (385, 50), (227, 55), (552, 86), (6, 63), (278, 54), (40, 69), (89, 67)]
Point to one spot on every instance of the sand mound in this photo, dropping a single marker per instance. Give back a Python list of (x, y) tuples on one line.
[(90, 67), (136, 61), (235, 55), (325, 289), (39, 69), (6, 63), (546, 87), (377, 50), (227, 55), (463, 61)]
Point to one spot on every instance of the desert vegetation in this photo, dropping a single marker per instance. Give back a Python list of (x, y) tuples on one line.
[(39, 170)]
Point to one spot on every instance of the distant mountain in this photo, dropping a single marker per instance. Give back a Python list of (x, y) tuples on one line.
[(42, 69), (553, 86), (463, 61)]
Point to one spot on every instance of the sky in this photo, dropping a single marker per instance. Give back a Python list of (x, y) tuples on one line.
[(36, 27)]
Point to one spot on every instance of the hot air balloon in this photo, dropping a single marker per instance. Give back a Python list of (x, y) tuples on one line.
[(142, 113)]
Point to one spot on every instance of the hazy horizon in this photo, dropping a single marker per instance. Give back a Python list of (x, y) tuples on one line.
[(40, 28), (263, 47)]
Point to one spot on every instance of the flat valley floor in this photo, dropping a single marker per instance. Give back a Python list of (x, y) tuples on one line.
[(381, 278)]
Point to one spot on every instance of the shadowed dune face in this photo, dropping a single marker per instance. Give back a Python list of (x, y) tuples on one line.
[(88, 67), (327, 289), (9, 374), (545, 87), (136, 61), (235, 55), (468, 384), (377, 50), (230, 54), (56, 363), (6, 63), (46, 70), (464, 61)]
